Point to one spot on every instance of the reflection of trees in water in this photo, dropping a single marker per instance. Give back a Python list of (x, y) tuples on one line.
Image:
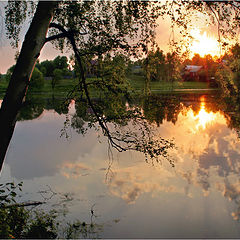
[(156, 109), (124, 125), (33, 107), (123, 120), (127, 122)]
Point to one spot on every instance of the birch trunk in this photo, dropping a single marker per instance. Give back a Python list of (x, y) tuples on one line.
[(32, 45)]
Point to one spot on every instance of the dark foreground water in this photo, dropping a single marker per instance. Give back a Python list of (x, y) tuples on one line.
[(129, 198)]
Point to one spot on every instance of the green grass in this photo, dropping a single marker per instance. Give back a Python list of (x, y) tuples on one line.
[(136, 82)]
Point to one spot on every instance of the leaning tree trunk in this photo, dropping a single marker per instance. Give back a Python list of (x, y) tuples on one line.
[(32, 45)]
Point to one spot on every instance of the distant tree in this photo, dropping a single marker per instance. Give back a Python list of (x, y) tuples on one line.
[(43, 70), (160, 65), (172, 67), (235, 51), (57, 76), (60, 62), (37, 80), (155, 65), (234, 65), (48, 68), (197, 60), (9, 73)]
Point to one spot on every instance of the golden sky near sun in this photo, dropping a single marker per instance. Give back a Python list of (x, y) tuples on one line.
[(204, 42)]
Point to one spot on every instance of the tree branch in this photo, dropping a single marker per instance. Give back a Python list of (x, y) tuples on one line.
[(54, 37), (70, 36), (27, 204)]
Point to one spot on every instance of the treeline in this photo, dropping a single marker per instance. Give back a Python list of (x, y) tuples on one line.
[(228, 72), (171, 67), (157, 66), (52, 70), (207, 72)]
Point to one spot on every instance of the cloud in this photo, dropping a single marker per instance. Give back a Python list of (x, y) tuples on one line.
[(74, 170), (130, 183)]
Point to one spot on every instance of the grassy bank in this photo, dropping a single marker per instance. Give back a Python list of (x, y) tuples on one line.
[(137, 83)]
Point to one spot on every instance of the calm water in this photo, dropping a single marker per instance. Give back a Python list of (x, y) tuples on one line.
[(198, 198)]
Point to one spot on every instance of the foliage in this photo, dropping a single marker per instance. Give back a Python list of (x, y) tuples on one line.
[(9, 73), (228, 72), (47, 67), (208, 71), (12, 219), (222, 14), (60, 62), (161, 67), (42, 225), (17, 221), (37, 80), (57, 76), (155, 65)]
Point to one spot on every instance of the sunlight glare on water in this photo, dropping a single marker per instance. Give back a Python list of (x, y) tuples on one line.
[(204, 118), (198, 198)]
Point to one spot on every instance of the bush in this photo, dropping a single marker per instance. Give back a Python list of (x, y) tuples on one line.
[(37, 80)]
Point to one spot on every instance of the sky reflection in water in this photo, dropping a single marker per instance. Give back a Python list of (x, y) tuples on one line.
[(198, 198)]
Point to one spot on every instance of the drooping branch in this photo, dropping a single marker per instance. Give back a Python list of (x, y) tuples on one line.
[(102, 123), (149, 147)]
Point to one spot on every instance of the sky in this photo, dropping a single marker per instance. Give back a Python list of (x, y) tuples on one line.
[(205, 41)]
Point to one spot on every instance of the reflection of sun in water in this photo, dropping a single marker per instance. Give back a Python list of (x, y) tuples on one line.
[(204, 44), (203, 116)]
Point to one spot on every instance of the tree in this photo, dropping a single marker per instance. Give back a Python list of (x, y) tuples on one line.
[(60, 62), (57, 76), (47, 67), (222, 14), (155, 65), (32, 45), (172, 67), (94, 28), (37, 80), (9, 73), (87, 27)]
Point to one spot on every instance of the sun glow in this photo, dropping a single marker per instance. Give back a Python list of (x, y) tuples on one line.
[(203, 117), (203, 44)]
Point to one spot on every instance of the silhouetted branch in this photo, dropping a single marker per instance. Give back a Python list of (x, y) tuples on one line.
[(54, 37), (27, 204)]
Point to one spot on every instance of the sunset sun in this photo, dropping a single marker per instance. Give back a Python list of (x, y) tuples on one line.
[(204, 44)]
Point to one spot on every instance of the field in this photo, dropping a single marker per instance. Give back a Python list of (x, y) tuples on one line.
[(136, 82)]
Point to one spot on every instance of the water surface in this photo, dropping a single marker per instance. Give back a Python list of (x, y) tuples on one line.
[(132, 198)]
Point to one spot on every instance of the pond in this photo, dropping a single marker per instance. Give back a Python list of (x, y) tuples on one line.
[(130, 198)]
